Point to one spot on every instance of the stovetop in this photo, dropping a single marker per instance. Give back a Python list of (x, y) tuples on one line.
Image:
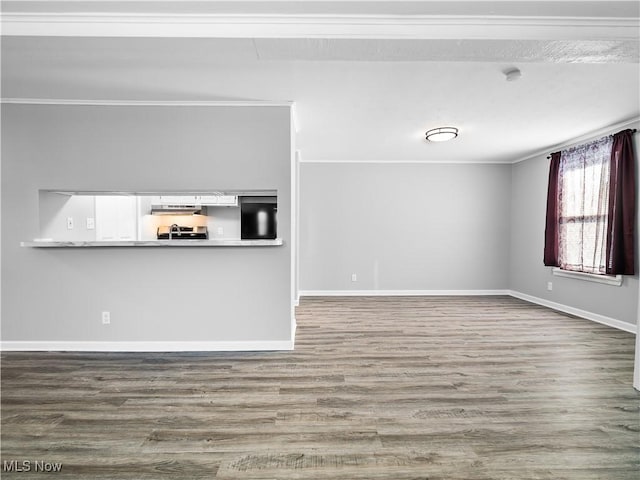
[(177, 232)]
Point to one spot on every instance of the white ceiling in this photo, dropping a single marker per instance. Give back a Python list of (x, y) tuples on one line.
[(368, 87)]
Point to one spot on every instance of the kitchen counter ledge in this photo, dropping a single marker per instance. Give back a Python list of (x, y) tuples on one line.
[(155, 243)]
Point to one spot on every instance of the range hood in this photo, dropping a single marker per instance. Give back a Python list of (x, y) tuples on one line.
[(175, 205), (176, 209)]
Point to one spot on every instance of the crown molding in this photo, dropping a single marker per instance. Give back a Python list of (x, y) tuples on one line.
[(403, 162), (631, 122), (319, 26), (145, 103)]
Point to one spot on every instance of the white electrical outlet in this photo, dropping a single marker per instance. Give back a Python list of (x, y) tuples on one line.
[(91, 223), (354, 277), (220, 231), (70, 223), (106, 318), (549, 286)]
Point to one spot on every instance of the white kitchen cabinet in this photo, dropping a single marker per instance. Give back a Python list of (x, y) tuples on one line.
[(175, 200), (195, 200), (222, 200), (116, 217)]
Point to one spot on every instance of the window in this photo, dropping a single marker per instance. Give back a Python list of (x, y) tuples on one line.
[(583, 204), (591, 207)]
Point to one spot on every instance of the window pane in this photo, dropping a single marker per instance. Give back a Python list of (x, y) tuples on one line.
[(596, 191), (571, 246), (573, 195)]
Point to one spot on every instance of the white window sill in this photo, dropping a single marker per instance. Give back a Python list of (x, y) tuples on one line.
[(615, 280)]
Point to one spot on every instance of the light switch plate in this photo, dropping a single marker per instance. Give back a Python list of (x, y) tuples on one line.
[(70, 223)]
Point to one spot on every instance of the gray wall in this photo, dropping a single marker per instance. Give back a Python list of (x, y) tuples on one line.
[(527, 273), (167, 294), (54, 209), (404, 226), (438, 227)]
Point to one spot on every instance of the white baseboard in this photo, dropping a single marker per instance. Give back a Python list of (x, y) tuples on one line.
[(239, 346), (276, 345), (397, 293), (294, 324), (595, 317)]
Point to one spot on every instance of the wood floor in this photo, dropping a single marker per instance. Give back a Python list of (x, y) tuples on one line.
[(377, 388)]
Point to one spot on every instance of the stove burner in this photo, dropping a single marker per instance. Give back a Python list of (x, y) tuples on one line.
[(177, 232)]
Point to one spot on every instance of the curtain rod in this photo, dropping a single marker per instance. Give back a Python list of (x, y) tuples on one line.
[(633, 130)]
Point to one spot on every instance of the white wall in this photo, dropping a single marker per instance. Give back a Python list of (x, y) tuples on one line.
[(153, 294), (403, 227), (54, 209), (528, 275)]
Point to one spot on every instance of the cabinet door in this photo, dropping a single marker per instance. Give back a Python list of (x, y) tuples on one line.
[(178, 199), (116, 217), (106, 218), (126, 216), (226, 200)]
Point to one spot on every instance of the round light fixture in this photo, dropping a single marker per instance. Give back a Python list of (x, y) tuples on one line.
[(442, 134), (512, 74)]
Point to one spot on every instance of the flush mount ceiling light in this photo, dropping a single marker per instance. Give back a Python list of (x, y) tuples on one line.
[(512, 74), (442, 134)]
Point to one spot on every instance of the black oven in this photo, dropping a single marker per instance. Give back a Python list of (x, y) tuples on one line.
[(258, 218)]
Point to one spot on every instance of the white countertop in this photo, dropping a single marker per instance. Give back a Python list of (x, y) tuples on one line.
[(156, 243)]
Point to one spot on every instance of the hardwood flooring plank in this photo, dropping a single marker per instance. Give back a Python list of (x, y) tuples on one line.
[(199, 466), (472, 388)]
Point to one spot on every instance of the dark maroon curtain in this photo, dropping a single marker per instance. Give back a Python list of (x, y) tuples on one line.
[(551, 243), (622, 206)]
